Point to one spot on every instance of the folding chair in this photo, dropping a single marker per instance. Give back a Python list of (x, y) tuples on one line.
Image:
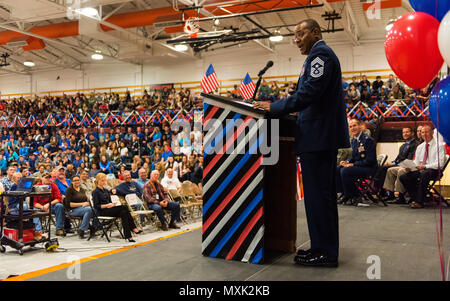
[(193, 199), (367, 187), (185, 207), (432, 191), (135, 206)]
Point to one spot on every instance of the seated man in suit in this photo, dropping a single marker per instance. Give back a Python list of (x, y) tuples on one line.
[(428, 161), (390, 173), (362, 164)]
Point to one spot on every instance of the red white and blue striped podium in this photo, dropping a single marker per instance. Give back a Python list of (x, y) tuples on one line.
[(248, 208)]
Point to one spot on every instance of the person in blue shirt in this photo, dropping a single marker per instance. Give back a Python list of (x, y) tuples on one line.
[(13, 155), (156, 135), (105, 165), (61, 181), (142, 178), (63, 184), (77, 162), (167, 153), (101, 134), (139, 133), (3, 164), (12, 142), (345, 85), (24, 150), (63, 139)]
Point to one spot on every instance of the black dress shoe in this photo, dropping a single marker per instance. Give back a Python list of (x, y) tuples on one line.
[(138, 232), (316, 259), (398, 200), (343, 200), (303, 253)]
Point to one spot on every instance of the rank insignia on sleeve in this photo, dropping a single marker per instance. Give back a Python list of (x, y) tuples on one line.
[(317, 67)]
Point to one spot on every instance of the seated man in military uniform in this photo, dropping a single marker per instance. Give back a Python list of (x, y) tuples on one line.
[(362, 164)]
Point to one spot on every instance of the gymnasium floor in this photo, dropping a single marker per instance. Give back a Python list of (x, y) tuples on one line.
[(403, 238)]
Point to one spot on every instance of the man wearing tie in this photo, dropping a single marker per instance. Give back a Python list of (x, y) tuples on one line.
[(428, 162), (321, 130)]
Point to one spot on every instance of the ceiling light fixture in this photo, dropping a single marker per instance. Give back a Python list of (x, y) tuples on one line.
[(181, 47), (277, 37), (29, 63), (88, 11), (97, 56)]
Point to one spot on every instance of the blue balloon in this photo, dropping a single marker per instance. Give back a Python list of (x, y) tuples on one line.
[(440, 100), (429, 7)]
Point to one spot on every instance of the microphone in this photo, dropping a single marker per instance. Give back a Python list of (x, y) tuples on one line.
[(269, 64)]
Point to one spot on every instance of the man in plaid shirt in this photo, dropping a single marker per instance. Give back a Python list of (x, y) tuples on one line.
[(157, 200)]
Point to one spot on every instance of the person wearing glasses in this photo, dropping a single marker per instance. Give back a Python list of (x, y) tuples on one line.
[(78, 204), (322, 129)]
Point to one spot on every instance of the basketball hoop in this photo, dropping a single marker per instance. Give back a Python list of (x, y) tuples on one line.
[(192, 26)]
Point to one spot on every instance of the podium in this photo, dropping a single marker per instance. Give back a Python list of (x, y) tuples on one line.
[(249, 202)]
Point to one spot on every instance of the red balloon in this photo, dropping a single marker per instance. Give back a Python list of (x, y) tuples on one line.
[(412, 49)]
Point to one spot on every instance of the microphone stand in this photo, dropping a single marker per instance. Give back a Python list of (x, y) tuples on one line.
[(258, 83)]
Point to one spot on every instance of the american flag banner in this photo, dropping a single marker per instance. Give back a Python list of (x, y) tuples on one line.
[(209, 81), (247, 87), (299, 182)]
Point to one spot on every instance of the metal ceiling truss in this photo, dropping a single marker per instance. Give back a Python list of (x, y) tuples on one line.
[(260, 32)]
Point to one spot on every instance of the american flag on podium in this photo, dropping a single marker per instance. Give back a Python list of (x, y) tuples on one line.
[(300, 195), (209, 81), (247, 87)]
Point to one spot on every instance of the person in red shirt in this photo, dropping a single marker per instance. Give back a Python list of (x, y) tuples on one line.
[(55, 201)]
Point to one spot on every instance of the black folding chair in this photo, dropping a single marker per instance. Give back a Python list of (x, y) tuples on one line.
[(367, 187), (432, 193)]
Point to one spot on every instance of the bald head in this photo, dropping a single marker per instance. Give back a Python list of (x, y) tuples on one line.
[(154, 176)]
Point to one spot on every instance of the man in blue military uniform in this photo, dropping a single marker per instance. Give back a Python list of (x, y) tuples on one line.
[(321, 130), (362, 164)]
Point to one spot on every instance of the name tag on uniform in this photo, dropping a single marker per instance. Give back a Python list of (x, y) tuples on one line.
[(157, 196)]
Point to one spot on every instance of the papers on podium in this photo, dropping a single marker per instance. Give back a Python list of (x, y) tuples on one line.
[(408, 164)]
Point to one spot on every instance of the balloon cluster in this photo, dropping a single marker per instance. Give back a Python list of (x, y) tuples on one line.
[(416, 46)]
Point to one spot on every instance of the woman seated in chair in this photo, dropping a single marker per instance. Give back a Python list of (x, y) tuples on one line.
[(77, 203), (101, 198)]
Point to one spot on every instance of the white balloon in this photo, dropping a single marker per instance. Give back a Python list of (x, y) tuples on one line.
[(444, 38)]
